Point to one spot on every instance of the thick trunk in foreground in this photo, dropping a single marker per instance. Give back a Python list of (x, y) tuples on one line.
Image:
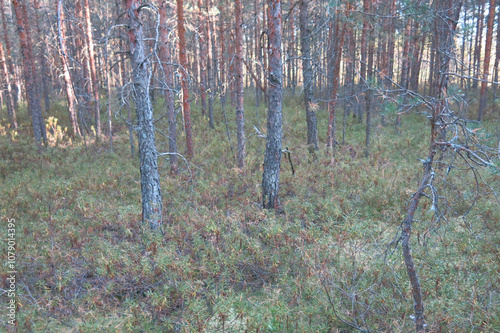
[(487, 55), (307, 70), (240, 116), (150, 178), (29, 73), (272, 157), (185, 78)]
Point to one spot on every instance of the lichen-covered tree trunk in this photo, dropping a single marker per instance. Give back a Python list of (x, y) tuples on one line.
[(272, 157), (240, 116), (307, 70), (487, 55), (166, 60), (150, 178), (185, 78), (70, 93)]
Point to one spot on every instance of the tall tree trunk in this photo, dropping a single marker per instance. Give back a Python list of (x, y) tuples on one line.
[(211, 67), (478, 43), (202, 40), (29, 71), (336, 40), (150, 178), (240, 116), (44, 70), (390, 41), (497, 62), (369, 76), (93, 69), (70, 93), (307, 70), (272, 156), (487, 55), (10, 64), (166, 60), (11, 112), (185, 78)]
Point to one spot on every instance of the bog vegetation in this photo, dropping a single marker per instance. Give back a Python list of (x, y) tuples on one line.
[(328, 262)]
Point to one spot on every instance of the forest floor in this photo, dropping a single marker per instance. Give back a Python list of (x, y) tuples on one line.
[(331, 261)]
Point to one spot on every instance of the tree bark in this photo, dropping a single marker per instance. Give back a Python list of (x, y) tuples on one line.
[(44, 71), (11, 112), (487, 55), (185, 78), (29, 71), (307, 70), (150, 178), (478, 43), (240, 116), (93, 69), (70, 93), (202, 40), (272, 157), (166, 60), (10, 64), (336, 40)]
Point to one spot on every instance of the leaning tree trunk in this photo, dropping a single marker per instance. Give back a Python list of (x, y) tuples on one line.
[(150, 178), (487, 55), (272, 157), (307, 70), (444, 30), (240, 116)]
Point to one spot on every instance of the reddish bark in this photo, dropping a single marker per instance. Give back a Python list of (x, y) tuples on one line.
[(185, 78), (93, 68), (29, 71), (337, 43), (487, 55)]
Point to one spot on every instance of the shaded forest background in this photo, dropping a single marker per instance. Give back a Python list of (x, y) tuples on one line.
[(364, 97)]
